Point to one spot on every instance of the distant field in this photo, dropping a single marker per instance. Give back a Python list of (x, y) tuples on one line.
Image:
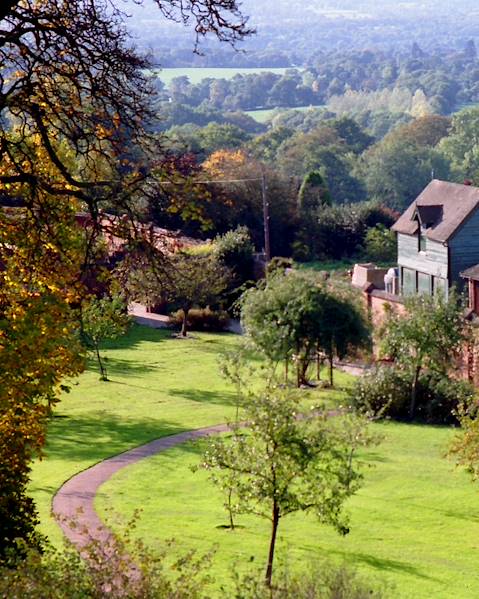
[(195, 75), (262, 116)]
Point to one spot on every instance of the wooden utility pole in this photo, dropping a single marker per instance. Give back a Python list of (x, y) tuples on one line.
[(267, 245)]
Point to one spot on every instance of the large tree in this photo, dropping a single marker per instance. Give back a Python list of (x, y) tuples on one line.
[(71, 77), (74, 110)]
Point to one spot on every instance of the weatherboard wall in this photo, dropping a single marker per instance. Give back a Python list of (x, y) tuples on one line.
[(464, 247), (434, 261)]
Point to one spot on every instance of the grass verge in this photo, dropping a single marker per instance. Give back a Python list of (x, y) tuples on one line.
[(158, 386), (414, 523)]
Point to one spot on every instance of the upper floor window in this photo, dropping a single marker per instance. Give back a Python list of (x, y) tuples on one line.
[(421, 242)]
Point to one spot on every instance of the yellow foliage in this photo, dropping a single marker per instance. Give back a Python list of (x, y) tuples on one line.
[(223, 163)]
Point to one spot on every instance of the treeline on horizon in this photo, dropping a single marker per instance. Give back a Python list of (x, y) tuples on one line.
[(448, 81), (297, 31)]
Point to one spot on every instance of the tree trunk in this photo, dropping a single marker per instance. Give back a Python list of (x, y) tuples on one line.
[(303, 371), (415, 381), (103, 372), (184, 324), (331, 368), (230, 509), (274, 529), (286, 371), (318, 365)]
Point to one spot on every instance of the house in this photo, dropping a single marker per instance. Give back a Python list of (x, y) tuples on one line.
[(438, 247), (472, 277), (438, 238)]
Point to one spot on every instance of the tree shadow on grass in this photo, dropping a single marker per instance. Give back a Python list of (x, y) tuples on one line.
[(102, 435), (458, 514), (122, 371), (225, 398), (136, 335), (374, 456), (121, 367), (384, 564)]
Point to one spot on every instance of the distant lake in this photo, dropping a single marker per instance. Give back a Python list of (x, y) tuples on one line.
[(195, 75)]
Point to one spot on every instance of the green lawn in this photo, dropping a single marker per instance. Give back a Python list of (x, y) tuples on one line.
[(159, 386), (197, 74), (337, 265), (414, 523)]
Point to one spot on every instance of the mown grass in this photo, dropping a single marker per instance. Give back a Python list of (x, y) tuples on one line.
[(339, 267), (414, 523), (158, 386)]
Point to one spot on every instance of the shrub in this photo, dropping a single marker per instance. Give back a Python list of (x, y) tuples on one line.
[(385, 392), (324, 581), (201, 249), (236, 251), (278, 264), (380, 244), (201, 319), (119, 568)]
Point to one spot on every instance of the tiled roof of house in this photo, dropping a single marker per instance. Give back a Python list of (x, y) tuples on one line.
[(471, 273), (447, 204)]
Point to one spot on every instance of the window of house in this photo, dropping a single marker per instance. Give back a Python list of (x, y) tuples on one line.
[(408, 281), (439, 286), (422, 242), (424, 284)]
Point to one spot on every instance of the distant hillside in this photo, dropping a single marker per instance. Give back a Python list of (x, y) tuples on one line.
[(290, 31)]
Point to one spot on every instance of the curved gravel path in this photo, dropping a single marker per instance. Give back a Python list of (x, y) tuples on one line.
[(74, 501)]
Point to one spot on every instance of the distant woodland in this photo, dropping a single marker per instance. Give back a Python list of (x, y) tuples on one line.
[(374, 102), (301, 32)]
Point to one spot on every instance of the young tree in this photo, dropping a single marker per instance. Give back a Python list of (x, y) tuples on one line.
[(293, 316), (427, 337), (343, 328), (283, 463), (183, 280), (195, 281), (465, 445), (103, 318)]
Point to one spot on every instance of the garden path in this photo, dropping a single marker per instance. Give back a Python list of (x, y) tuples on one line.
[(73, 504)]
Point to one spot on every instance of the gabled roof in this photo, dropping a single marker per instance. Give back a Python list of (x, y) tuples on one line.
[(449, 205), (471, 273)]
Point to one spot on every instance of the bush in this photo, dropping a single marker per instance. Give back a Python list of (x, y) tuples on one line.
[(322, 582), (202, 319), (386, 392), (340, 231), (380, 244), (278, 264), (119, 568), (236, 251)]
